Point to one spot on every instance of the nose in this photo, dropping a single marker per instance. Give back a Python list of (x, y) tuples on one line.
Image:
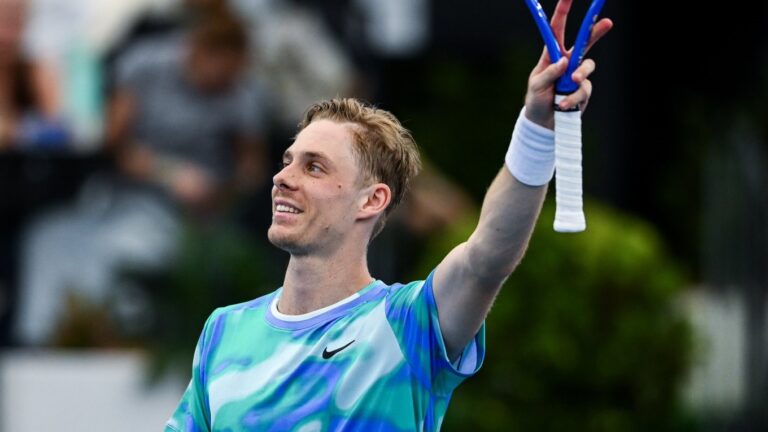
[(284, 179)]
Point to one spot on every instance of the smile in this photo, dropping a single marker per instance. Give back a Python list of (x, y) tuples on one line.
[(283, 208)]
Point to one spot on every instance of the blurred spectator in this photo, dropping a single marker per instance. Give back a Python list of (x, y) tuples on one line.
[(11, 100), (140, 20), (11, 69), (186, 129), (25, 119), (180, 116), (291, 47), (66, 74)]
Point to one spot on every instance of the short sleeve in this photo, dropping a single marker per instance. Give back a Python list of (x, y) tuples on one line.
[(193, 412), (412, 313)]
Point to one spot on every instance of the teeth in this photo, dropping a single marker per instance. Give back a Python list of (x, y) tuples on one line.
[(286, 209)]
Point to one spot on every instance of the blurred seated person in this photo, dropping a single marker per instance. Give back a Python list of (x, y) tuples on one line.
[(185, 129), (25, 120), (60, 43), (182, 118), (294, 51)]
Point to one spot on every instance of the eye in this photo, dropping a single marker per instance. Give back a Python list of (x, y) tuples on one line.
[(281, 165), (314, 167)]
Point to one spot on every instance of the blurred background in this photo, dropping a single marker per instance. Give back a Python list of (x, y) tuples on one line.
[(138, 139)]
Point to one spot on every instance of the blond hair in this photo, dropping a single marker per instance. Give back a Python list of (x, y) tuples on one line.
[(384, 147)]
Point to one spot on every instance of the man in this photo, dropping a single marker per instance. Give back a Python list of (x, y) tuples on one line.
[(335, 349), (185, 118)]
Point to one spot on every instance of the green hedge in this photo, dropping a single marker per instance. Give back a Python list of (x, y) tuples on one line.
[(585, 335)]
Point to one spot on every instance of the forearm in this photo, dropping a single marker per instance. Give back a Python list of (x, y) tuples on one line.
[(513, 202), (46, 91), (507, 219)]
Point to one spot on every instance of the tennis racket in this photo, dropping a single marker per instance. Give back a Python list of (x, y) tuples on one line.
[(569, 207)]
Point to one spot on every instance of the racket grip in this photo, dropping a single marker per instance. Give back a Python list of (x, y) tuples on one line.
[(569, 213)]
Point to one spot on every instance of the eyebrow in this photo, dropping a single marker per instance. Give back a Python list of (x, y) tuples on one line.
[(312, 155), (309, 155)]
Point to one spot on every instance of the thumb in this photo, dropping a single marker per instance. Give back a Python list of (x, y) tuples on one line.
[(549, 75)]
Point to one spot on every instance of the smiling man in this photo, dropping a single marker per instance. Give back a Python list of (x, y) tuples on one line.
[(334, 348)]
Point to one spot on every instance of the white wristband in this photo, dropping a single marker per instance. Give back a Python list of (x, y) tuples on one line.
[(531, 154)]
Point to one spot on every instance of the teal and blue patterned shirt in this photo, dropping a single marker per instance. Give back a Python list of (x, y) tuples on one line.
[(375, 361)]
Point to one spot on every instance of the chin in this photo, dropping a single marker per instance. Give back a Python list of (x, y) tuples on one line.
[(284, 241)]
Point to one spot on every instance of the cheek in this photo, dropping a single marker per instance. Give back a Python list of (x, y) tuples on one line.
[(334, 200), (339, 204)]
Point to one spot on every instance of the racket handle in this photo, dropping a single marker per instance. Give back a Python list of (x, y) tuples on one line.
[(569, 213)]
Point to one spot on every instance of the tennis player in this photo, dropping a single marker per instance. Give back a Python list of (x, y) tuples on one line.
[(334, 348)]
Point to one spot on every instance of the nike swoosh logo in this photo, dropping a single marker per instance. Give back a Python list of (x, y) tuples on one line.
[(328, 354)]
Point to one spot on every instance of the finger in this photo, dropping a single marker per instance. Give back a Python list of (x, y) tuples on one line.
[(600, 29), (544, 61), (549, 75), (578, 98), (583, 71), (559, 18)]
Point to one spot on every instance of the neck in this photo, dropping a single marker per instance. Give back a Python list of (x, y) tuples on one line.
[(313, 282)]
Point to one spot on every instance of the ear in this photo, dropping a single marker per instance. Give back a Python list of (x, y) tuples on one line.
[(374, 201)]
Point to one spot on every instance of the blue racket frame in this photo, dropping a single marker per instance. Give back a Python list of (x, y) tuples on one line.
[(565, 84)]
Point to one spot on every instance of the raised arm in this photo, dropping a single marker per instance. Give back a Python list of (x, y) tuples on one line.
[(469, 278)]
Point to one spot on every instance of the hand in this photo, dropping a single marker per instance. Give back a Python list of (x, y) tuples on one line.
[(136, 161), (191, 186), (541, 82)]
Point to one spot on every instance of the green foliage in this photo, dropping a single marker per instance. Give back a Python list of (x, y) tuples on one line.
[(584, 336)]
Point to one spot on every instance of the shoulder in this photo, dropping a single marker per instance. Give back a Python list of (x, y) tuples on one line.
[(409, 290), (404, 288), (152, 55), (239, 309)]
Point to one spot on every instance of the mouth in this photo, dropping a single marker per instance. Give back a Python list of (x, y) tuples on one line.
[(285, 207)]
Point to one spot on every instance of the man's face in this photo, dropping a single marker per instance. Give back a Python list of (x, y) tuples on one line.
[(318, 192)]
